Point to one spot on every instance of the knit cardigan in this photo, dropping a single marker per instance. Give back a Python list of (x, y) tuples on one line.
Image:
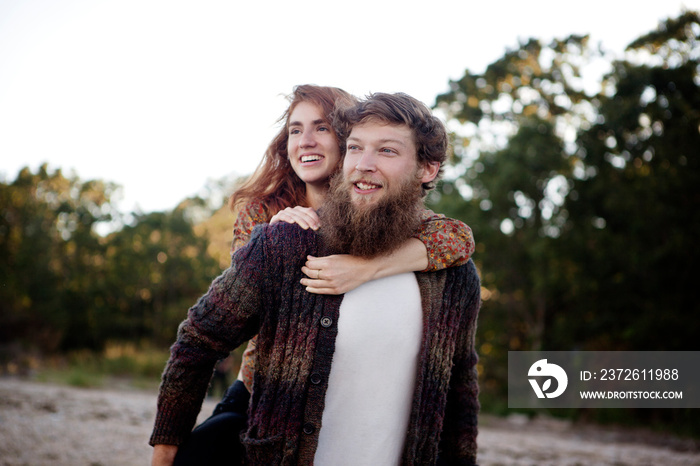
[(260, 294)]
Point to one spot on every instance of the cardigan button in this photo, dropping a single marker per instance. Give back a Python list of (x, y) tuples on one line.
[(326, 322), (315, 378), (309, 428)]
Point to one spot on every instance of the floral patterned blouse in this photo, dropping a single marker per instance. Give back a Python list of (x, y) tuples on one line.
[(449, 243)]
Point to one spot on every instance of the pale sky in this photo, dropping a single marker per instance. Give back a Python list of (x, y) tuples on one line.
[(159, 96)]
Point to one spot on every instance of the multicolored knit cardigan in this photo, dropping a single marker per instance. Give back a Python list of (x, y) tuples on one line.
[(260, 293)]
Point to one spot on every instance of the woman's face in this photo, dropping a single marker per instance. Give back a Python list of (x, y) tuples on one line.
[(312, 146)]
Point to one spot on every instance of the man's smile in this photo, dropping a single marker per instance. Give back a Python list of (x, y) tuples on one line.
[(364, 186)]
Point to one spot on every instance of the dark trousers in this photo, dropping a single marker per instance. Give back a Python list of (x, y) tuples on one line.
[(217, 440)]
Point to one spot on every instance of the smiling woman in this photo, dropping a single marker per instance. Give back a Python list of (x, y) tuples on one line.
[(312, 150), (298, 162)]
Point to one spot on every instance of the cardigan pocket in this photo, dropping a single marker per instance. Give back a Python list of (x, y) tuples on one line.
[(265, 451)]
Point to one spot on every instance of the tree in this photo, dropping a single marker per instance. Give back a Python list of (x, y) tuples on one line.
[(579, 199), (64, 286), (50, 256), (157, 267), (512, 162), (631, 204)]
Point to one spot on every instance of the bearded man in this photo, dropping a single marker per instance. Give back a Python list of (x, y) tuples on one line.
[(410, 337)]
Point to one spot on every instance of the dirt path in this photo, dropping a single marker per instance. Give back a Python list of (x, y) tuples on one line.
[(53, 425)]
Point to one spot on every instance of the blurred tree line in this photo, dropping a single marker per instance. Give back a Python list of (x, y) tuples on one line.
[(584, 203), (582, 192), (63, 286)]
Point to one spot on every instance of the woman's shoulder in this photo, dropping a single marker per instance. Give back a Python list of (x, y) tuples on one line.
[(255, 208)]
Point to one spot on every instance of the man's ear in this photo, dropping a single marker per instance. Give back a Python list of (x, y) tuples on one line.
[(429, 171)]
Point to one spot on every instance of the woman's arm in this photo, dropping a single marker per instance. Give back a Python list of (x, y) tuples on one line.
[(251, 214), (449, 242), (442, 242), (340, 273)]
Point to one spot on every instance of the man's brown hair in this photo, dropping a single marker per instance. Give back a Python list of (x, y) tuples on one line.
[(429, 133)]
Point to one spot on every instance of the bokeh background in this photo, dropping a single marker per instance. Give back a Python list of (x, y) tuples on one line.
[(123, 128)]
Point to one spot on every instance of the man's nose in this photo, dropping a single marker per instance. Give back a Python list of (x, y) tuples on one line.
[(367, 162)]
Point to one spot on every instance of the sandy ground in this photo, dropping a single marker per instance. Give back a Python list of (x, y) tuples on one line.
[(55, 425)]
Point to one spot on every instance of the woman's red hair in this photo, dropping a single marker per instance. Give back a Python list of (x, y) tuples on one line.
[(274, 182)]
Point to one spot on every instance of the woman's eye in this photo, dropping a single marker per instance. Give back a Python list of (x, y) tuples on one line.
[(294, 131)]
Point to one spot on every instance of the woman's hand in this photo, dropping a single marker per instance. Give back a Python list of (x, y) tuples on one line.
[(336, 274), (305, 217), (339, 274)]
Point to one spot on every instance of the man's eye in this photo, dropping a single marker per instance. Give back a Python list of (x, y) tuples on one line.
[(323, 128), (352, 147)]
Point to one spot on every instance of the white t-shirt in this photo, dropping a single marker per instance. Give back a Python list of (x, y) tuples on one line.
[(372, 378)]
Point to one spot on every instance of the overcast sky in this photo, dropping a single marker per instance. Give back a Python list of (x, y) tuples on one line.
[(160, 95)]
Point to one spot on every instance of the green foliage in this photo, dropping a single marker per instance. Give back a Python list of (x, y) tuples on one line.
[(535, 79), (48, 255), (63, 286), (583, 206), (157, 267), (631, 208)]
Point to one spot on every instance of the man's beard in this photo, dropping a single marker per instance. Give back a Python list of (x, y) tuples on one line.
[(376, 229)]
